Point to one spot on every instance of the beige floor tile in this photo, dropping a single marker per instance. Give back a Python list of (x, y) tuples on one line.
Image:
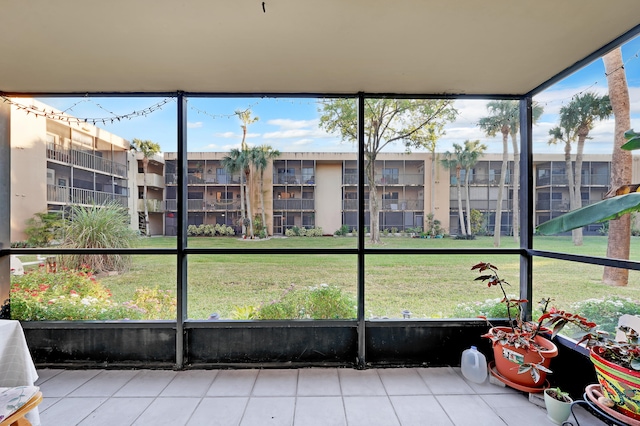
[(360, 382), (146, 383), (219, 411), (319, 411), (419, 410), (190, 383), (318, 382), (276, 383), (403, 381), (168, 411), (370, 411), (233, 383), (269, 411), (120, 411)]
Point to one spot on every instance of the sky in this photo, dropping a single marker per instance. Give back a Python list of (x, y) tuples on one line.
[(292, 124)]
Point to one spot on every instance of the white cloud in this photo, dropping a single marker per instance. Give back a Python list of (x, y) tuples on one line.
[(303, 142), (226, 135), (285, 123), (194, 125)]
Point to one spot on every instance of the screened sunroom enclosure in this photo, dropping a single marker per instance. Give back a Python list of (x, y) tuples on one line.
[(305, 188)]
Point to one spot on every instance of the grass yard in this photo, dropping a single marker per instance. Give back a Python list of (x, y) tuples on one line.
[(430, 286)]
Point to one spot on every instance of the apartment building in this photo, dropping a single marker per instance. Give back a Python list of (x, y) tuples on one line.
[(311, 189), (56, 164)]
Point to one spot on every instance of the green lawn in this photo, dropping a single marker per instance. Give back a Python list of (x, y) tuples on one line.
[(430, 286)]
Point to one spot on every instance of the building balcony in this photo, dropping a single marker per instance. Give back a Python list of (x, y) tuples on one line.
[(289, 179), (387, 205), (197, 179), (67, 195), (153, 206), (86, 160), (386, 180), (153, 180), (294, 204)]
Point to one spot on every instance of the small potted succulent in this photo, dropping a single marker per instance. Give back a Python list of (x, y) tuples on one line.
[(519, 347), (558, 405)]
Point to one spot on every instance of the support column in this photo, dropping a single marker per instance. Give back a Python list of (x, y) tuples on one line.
[(526, 203), (5, 202)]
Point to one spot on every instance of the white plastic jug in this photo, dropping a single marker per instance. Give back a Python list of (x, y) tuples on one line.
[(474, 365)]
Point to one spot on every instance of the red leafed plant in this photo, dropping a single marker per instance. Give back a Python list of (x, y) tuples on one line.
[(523, 333), (625, 353)]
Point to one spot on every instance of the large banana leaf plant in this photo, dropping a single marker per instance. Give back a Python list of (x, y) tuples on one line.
[(624, 199)]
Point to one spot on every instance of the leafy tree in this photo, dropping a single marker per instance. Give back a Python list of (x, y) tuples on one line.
[(43, 228), (260, 157), (504, 118), (387, 121), (148, 150), (619, 239), (576, 121)]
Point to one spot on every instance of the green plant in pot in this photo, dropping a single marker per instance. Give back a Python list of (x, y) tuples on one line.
[(521, 354), (558, 405), (616, 360)]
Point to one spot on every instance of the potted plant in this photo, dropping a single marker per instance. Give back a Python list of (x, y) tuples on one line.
[(521, 354), (616, 361), (558, 405)]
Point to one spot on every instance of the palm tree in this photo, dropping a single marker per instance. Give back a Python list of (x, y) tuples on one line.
[(233, 163), (469, 157), (505, 118), (502, 115), (452, 161), (261, 156), (577, 119), (148, 150), (246, 119), (618, 243)]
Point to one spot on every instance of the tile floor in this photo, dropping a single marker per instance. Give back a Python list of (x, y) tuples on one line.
[(300, 397)]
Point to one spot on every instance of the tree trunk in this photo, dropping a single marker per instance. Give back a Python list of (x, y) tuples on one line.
[(503, 178), (145, 167), (577, 183), (249, 212), (374, 208), (515, 210), (621, 163), (433, 183), (468, 209), (568, 166), (242, 209), (463, 230), (264, 215)]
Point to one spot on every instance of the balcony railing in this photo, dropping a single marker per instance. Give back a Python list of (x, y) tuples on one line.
[(153, 180), (294, 204), (86, 160), (387, 205), (67, 195), (153, 206), (386, 180), (555, 205), (597, 179), (196, 179), (288, 179)]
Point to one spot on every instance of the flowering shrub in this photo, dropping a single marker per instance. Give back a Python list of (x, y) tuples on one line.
[(153, 303), (209, 230), (77, 295), (606, 311), (322, 302)]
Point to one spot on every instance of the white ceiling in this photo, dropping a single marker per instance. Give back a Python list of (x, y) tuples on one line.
[(301, 46)]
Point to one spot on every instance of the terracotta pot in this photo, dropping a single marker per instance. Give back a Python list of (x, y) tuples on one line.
[(509, 358), (619, 384)]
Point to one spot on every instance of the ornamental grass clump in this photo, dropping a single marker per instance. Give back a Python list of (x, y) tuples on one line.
[(98, 226)]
